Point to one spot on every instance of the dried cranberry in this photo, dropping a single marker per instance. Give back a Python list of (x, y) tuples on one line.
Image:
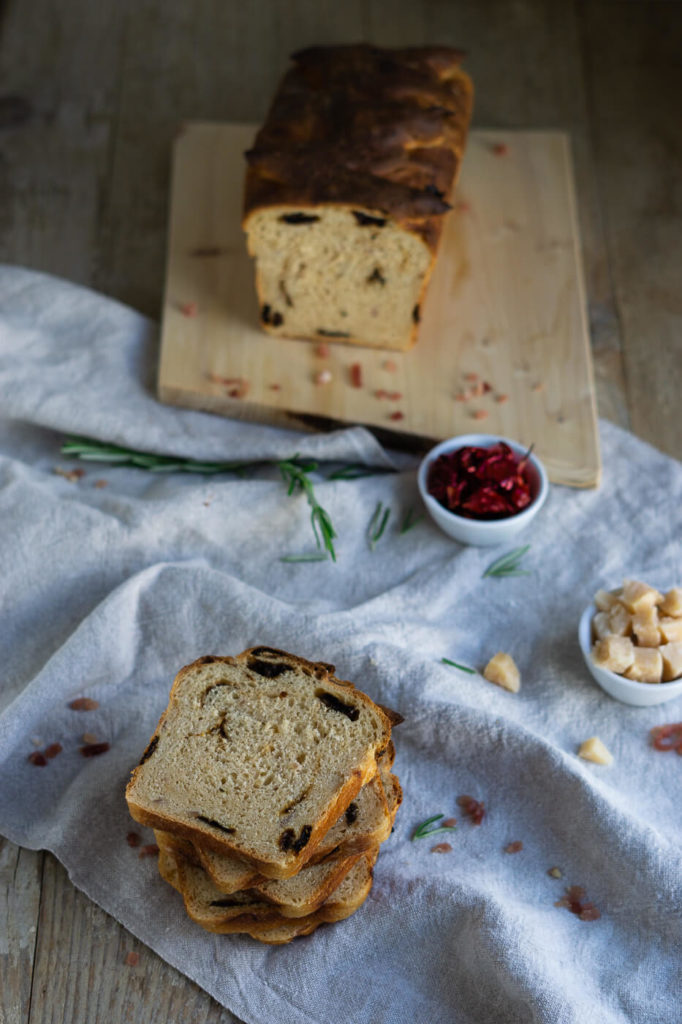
[(94, 749), (667, 737), (53, 750), (37, 759), (84, 704), (474, 809), (481, 483), (514, 847)]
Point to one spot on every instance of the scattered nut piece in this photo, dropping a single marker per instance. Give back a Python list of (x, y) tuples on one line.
[(637, 595), (502, 670), (448, 823), (189, 309), (323, 377), (604, 600), (100, 483), (601, 627), (594, 750), (514, 847), (615, 653), (322, 350), (501, 398), (647, 665), (390, 365), (672, 603), (620, 621), (671, 630), (89, 737), (555, 872), (441, 848), (479, 414), (645, 627), (672, 661)]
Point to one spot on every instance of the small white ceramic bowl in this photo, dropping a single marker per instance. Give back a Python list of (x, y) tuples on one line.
[(482, 532), (641, 695)]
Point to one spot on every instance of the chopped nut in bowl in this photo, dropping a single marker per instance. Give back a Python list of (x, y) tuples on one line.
[(631, 639)]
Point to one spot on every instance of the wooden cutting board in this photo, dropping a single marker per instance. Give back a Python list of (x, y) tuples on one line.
[(505, 311)]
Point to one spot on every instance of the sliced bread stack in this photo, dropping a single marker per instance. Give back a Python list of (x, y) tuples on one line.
[(268, 784)]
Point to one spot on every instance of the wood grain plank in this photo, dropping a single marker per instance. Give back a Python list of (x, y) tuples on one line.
[(506, 303), (59, 75), (635, 81), (527, 66), (80, 972), (20, 881)]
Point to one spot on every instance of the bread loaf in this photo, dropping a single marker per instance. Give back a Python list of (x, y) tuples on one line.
[(257, 756), (346, 188)]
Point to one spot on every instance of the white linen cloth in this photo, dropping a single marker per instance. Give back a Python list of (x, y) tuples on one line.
[(107, 591)]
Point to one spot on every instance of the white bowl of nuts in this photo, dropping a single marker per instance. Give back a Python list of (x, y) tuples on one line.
[(631, 639)]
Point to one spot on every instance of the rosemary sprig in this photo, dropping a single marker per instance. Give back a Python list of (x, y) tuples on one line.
[(410, 520), (294, 472), (314, 556), (355, 470), (508, 565), (462, 668), (423, 830), (377, 524)]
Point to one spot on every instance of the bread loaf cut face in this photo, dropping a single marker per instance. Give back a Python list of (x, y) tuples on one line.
[(258, 756), (339, 273)]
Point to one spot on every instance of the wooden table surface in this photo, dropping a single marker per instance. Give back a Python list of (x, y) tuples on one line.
[(90, 97)]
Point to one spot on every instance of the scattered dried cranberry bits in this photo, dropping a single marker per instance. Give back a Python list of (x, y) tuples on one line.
[(481, 483), (38, 759), (473, 809), (514, 847), (150, 850), (94, 749), (667, 737), (84, 704), (574, 900), (441, 848), (132, 959), (133, 839)]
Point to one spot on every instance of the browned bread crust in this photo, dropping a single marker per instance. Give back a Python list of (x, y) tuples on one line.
[(361, 147), (383, 129)]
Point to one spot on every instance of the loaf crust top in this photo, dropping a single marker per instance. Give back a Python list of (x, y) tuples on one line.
[(380, 129)]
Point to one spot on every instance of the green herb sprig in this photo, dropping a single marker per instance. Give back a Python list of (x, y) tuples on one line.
[(462, 668), (295, 473), (508, 565), (377, 524), (423, 831), (410, 520)]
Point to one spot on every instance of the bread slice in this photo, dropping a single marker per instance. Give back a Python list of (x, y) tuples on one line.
[(366, 822), (241, 912), (258, 756), (348, 898)]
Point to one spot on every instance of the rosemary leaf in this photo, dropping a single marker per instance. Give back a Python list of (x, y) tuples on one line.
[(508, 565), (377, 524), (409, 521), (314, 556), (423, 830), (462, 668)]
